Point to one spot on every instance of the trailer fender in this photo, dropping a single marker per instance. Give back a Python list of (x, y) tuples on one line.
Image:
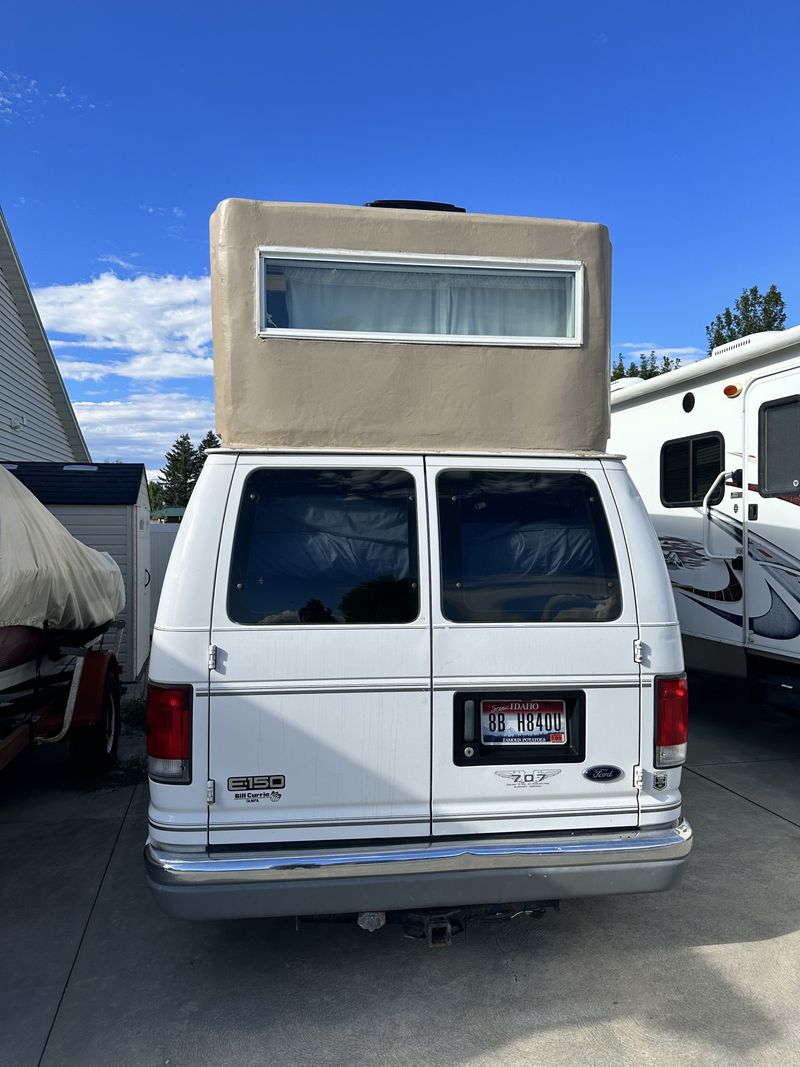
[(89, 702)]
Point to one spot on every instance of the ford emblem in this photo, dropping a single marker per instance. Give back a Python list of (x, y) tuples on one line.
[(603, 774)]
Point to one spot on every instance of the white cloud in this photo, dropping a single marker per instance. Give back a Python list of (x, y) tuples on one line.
[(159, 325), (23, 98), (150, 209), (117, 261), (142, 427)]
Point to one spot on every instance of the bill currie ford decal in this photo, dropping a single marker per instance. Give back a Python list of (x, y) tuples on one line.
[(253, 788)]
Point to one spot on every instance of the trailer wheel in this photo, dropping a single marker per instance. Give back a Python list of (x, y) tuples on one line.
[(93, 749)]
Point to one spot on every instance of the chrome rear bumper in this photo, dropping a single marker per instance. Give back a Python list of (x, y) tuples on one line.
[(429, 874)]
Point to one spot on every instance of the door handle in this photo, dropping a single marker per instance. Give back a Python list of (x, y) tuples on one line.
[(721, 477), (752, 512)]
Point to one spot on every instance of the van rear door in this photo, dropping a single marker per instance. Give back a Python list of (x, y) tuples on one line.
[(320, 706), (536, 689)]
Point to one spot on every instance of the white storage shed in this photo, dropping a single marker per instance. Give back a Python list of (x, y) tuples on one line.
[(106, 506)]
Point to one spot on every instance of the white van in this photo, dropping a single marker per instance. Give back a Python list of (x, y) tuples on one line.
[(416, 645), (386, 682)]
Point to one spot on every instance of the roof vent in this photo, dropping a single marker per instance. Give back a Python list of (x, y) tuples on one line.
[(415, 205), (79, 467)]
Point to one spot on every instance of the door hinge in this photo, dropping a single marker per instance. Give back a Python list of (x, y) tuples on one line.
[(638, 651), (211, 791), (212, 657), (638, 777)]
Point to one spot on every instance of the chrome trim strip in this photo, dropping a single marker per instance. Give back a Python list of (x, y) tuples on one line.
[(199, 828), (284, 688), (636, 846), (418, 685), (539, 815), (526, 682), (257, 827)]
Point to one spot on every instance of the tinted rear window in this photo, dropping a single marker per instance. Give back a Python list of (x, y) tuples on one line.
[(325, 546), (525, 547)]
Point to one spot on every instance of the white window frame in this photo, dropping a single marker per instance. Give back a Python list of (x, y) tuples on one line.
[(394, 259)]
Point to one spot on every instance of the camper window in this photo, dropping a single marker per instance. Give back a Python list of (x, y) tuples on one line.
[(688, 468), (779, 447), (349, 295), (325, 547), (525, 547)]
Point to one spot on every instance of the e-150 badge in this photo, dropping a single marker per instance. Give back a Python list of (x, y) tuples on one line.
[(253, 788)]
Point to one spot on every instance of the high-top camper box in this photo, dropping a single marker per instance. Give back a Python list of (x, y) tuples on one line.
[(364, 327), (416, 630)]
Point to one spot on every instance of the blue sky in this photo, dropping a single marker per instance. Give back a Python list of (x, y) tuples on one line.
[(122, 126)]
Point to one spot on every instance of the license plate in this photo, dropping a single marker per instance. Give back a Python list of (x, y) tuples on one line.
[(524, 722)]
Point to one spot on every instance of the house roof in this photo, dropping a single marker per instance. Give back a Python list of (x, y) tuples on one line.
[(20, 291), (75, 483)]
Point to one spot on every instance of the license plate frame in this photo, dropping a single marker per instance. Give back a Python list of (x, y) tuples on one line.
[(522, 724), (470, 751)]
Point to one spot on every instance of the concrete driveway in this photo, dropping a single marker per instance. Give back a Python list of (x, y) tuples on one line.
[(94, 974)]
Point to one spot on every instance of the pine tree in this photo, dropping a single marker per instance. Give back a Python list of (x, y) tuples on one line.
[(180, 473), (754, 312), (647, 367), (155, 491), (618, 369), (209, 441)]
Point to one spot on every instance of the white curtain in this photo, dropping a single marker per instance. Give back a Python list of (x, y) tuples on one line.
[(511, 306), (366, 301), (416, 301)]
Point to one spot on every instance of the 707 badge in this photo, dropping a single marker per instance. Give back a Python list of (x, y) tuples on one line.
[(527, 779)]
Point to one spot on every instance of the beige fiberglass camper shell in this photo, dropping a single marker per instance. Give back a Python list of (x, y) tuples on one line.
[(416, 630), (412, 330)]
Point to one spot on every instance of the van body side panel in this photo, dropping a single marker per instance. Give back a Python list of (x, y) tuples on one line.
[(660, 798), (321, 730), (179, 813), (592, 663)]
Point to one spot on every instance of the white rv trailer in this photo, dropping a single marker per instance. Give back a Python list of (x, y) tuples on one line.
[(714, 449)]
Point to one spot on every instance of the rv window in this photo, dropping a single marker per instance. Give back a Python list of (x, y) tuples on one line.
[(688, 468), (325, 547), (779, 447), (525, 547), (388, 300)]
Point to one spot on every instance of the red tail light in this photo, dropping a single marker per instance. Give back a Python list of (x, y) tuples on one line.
[(169, 733), (672, 721)]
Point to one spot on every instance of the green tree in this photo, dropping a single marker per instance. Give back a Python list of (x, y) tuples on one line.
[(753, 312), (156, 493), (209, 441), (648, 366), (180, 472)]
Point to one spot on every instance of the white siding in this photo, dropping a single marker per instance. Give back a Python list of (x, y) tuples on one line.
[(24, 392), (162, 538), (107, 528), (140, 595)]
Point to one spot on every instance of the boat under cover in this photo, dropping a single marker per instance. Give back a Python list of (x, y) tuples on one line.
[(50, 583)]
